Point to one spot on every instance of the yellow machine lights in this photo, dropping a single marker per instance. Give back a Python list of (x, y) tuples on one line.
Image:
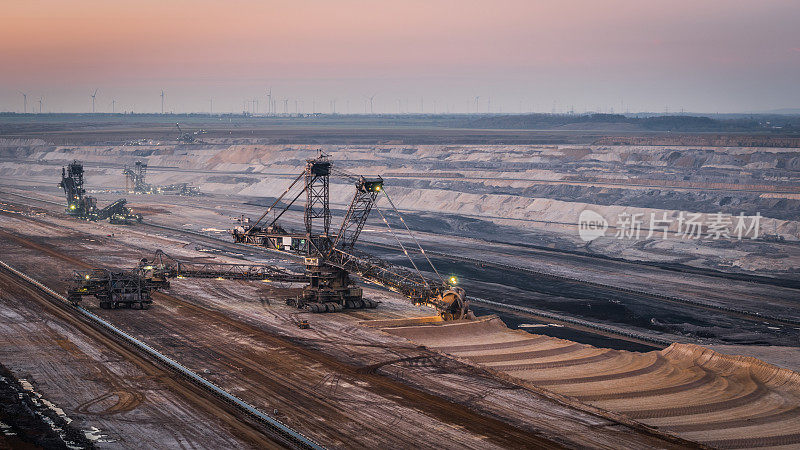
[(370, 185), (453, 280), (72, 207)]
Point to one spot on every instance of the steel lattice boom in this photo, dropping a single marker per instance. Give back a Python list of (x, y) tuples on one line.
[(330, 259)]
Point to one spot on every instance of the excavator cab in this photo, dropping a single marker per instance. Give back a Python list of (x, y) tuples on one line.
[(370, 184)]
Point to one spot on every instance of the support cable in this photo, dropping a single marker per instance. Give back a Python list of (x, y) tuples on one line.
[(287, 207), (276, 202), (413, 237), (373, 266), (408, 255), (344, 174)]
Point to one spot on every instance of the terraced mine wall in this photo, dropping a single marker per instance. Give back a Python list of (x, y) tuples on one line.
[(508, 193), (712, 140), (721, 400)]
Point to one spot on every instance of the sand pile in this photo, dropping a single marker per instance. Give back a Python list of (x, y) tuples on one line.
[(721, 400)]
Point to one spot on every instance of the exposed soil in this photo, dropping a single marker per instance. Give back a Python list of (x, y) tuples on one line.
[(27, 422)]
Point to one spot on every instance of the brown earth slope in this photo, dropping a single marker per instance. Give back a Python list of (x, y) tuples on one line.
[(721, 400)]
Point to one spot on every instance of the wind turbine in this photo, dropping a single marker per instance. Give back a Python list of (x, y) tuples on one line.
[(24, 101), (94, 96), (371, 98), (269, 101), (477, 97), (285, 105), (211, 106), (40, 105), (162, 101), (113, 105)]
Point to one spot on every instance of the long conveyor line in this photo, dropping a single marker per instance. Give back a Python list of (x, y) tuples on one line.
[(275, 425)]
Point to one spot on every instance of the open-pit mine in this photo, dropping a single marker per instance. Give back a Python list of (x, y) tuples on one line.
[(276, 283)]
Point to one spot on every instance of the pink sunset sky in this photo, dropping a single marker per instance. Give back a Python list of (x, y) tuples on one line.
[(516, 56)]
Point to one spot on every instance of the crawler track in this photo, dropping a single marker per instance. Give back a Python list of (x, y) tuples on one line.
[(272, 433)]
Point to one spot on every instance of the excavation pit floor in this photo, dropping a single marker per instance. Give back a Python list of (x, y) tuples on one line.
[(340, 382), (498, 209)]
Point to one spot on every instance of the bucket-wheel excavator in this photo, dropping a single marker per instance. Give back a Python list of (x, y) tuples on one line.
[(78, 204), (330, 258), (85, 207)]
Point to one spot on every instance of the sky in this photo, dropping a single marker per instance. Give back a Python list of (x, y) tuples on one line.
[(412, 56)]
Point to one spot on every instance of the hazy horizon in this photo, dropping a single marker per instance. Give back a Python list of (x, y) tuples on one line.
[(515, 56)]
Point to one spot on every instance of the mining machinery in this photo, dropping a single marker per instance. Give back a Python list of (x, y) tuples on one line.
[(188, 138), (162, 267), (178, 189), (135, 183), (330, 258), (132, 288), (118, 213), (113, 289), (84, 207), (134, 178), (78, 204)]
